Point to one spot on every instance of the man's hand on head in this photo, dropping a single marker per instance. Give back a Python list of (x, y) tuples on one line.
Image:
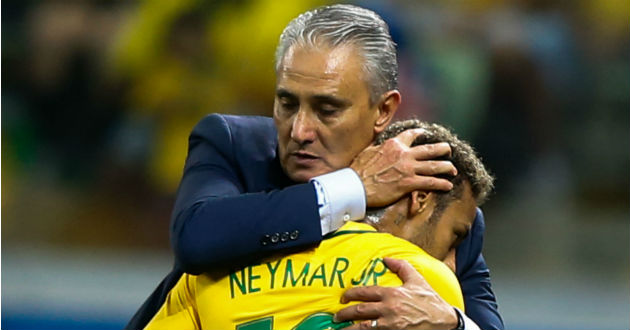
[(393, 169), (414, 305)]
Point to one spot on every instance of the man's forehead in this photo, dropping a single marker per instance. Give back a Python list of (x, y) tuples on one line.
[(322, 71), (319, 61), (288, 76)]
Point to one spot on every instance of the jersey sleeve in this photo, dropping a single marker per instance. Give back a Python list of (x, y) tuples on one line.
[(179, 310)]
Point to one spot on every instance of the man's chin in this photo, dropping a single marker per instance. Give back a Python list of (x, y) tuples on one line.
[(305, 174), (301, 176)]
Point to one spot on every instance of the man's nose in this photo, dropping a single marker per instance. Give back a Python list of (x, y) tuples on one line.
[(304, 128)]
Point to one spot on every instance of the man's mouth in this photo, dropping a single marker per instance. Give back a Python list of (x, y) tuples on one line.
[(304, 154), (304, 158)]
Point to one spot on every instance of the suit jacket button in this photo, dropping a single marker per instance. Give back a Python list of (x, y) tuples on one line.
[(275, 238), (294, 235), (265, 240), (284, 237)]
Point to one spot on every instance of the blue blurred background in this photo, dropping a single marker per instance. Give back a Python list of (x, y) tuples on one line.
[(98, 98)]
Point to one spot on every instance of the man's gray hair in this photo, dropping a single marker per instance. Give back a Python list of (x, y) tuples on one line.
[(347, 24)]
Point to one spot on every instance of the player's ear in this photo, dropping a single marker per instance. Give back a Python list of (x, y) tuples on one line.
[(419, 202), (386, 109)]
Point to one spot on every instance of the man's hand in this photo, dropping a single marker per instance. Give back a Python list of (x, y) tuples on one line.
[(414, 305), (393, 169)]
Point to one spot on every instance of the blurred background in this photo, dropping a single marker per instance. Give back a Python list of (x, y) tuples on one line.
[(98, 98)]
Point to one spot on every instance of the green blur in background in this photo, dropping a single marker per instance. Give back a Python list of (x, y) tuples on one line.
[(98, 98)]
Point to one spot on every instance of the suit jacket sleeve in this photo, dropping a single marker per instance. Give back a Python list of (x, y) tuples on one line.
[(217, 222), (474, 278)]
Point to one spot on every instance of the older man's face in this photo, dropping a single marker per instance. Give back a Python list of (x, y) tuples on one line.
[(321, 110)]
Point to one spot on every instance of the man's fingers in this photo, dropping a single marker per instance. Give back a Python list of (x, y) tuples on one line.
[(431, 151), (426, 183), (435, 167), (363, 293), (366, 324), (363, 311), (404, 270), (408, 136)]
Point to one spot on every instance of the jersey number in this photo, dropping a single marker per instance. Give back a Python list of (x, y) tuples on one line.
[(317, 321)]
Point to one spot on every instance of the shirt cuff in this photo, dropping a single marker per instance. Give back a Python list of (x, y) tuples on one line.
[(341, 197), (468, 323)]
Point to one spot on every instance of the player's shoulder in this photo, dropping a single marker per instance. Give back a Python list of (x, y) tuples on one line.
[(377, 243), (380, 245)]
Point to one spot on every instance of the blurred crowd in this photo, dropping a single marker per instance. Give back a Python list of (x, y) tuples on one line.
[(98, 98)]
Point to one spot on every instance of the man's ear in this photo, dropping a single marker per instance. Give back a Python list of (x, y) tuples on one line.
[(386, 109), (419, 203)]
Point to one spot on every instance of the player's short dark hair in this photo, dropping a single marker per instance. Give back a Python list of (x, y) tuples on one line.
[(463, 156)]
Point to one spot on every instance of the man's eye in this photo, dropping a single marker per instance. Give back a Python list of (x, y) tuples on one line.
[(289, 105), (328, 109)]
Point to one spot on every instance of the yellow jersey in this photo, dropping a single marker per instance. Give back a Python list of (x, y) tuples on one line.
[(300, 290)]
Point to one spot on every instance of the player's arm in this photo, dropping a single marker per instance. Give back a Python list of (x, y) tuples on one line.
[(179, 311), (215, 223)]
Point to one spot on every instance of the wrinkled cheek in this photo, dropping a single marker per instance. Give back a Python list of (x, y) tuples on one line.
[(337, 160), (283, 137), (341, 154), (282, 152)]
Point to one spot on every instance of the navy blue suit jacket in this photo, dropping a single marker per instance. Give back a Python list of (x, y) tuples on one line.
[(234, 196)]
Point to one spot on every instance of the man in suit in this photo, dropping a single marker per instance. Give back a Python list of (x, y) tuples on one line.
[(425, 226), (253, 187)]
